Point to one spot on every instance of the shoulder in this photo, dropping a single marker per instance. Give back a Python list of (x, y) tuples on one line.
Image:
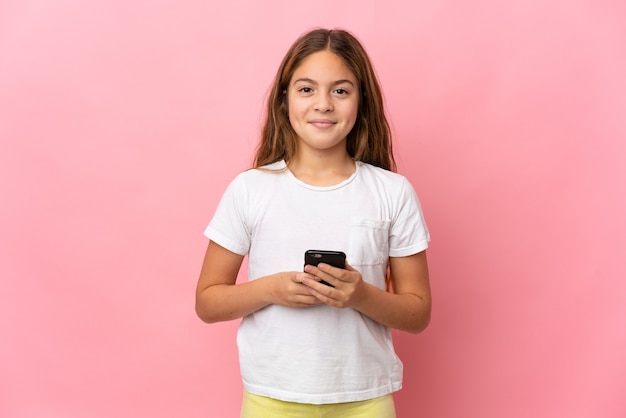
[(371, 173), (256, 183), (260, 174), (392, 187)]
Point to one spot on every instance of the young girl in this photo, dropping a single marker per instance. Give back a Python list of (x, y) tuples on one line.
[(323, 179)]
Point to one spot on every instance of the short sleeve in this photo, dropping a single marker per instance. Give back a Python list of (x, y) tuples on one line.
[(408, 234), (228, 227)]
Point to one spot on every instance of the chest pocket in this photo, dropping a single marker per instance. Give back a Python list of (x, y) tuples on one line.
[(369, 241)]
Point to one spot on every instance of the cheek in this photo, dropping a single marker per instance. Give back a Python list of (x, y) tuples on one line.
[(293, 116), (293, 110), (354, 112)]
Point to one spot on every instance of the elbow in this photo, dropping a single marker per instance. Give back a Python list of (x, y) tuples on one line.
[(419, 324), (419, 320), (206, 308), (202, 315), (205, 314), (210, 314)]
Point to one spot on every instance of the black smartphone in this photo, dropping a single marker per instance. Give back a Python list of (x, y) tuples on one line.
[(333, 258)]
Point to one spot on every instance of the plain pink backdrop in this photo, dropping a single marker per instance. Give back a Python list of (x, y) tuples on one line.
[(121, 123)]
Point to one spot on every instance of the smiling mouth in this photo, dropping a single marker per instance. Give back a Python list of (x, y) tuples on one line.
[(322, 124)]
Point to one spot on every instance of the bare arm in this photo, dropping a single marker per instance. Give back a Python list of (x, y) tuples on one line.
[(408, 308), (219, 298)]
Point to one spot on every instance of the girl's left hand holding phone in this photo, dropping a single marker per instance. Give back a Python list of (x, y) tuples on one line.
[(348, 285)]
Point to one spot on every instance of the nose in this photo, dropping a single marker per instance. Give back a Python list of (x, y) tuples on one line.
[(324, 103)]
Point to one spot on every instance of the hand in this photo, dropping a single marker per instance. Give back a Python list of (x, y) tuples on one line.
[(287, 289), (349, 287)]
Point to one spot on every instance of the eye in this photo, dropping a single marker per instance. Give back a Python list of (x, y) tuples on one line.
[(305, 90), (341, 92)]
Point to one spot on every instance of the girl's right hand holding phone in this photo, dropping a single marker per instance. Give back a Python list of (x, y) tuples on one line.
[(286, 289), (220, 298)]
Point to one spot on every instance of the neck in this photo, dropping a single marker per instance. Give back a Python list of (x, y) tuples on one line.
[(322, 170)]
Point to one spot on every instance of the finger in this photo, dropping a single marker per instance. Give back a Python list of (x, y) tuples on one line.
[(326, 279), (312, 297), (322, 291), (324, 294), (310, 300), (315, 273), (330, 270), (336, 275), (298, 278)]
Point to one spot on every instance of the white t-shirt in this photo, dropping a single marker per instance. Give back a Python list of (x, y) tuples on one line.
[(319, 354)]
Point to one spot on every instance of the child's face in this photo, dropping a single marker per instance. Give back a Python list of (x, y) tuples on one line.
[(323, 98)]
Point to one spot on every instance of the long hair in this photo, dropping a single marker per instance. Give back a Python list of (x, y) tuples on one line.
[(369, 140)]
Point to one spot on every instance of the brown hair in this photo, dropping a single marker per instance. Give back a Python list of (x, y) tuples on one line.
[(370, 138)]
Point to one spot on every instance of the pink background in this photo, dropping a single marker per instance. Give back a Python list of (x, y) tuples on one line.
[(121, 123)]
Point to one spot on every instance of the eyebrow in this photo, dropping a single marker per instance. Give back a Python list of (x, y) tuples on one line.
[(311, 81)]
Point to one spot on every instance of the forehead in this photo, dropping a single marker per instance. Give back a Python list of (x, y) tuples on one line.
[(323, 66)]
